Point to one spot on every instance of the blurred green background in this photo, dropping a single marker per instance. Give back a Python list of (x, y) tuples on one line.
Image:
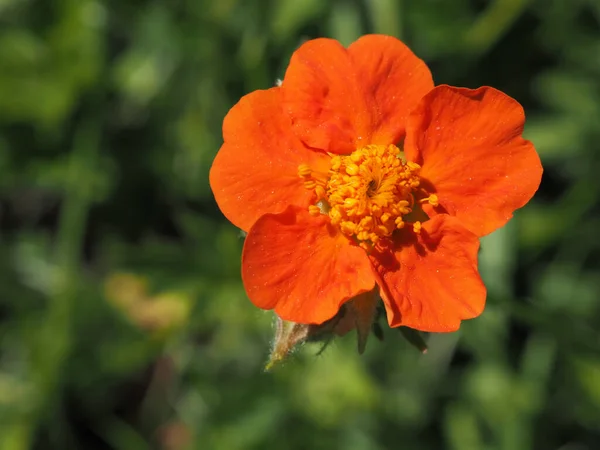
[(123, 322)]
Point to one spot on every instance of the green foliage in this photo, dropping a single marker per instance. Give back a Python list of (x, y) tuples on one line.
[(123, 322)]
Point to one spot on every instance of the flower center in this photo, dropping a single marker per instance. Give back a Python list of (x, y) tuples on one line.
[(367, 193)]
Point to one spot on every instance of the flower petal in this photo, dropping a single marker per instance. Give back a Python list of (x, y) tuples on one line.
[(430, 281), (469, 145), (302, 267), (340, 100), (393, 79), (256, 170)]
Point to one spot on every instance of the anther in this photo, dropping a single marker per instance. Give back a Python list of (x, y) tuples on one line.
[(336, 163), (356, 156), (310, 184), (417, 227), (304, 170), (413, 166), (383, 230), (314, 210), (365, 245), (433, 200), (362, 236), (365, 194), (348, 228), (320, 191), (352, 169), (350, 202)]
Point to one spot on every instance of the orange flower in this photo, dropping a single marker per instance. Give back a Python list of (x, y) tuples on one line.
[(358, 177)]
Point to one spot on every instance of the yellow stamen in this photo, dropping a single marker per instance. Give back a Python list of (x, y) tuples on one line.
[(320, 191), (314, 210), (367, 194), (352, 169), (310, 185), (304, 170), (432, 200), (417, 227)]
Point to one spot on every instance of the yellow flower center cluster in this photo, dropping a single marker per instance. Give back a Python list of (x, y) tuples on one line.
[(367, 193)]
